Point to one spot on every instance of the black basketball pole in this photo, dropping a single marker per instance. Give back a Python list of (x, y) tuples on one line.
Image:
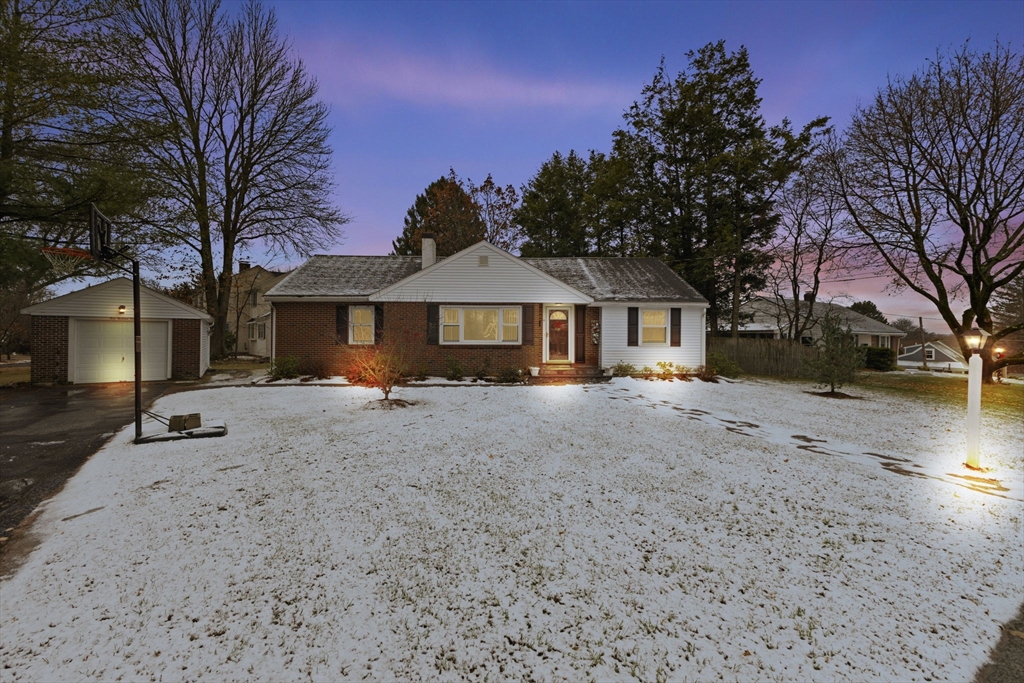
[(136, 297)]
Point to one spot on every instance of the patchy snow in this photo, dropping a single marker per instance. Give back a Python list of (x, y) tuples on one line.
[(634, 529)]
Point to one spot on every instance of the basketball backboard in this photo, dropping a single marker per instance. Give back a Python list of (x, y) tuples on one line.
[(99, 234)]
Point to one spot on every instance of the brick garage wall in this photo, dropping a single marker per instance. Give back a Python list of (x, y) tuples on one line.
[(185, 348), (49, 349), (307, 331)]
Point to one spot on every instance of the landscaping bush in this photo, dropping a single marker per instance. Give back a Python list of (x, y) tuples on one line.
[(484, 371), (284, 367), (510, 376), (706, 373), (622, 369), (381, 367), (421, 373), (666, 371), (316, 369), (840, 356), (720, 364), (881, 359), (453, 370), (647, 372)]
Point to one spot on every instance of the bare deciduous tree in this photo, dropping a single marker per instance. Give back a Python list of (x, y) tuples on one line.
[(236, 134), (807, 247), (932, 177)]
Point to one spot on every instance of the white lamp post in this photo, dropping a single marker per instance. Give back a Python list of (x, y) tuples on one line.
[(975, 339)]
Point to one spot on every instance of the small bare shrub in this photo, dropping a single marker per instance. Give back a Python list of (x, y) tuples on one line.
[(316, 369), (647, 372), (510, 376), (378, 366)]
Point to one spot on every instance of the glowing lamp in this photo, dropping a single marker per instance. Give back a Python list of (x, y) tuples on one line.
[(975, 339), (121, 309)]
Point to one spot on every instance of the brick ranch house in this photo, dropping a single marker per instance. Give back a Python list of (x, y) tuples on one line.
[(487, 308)]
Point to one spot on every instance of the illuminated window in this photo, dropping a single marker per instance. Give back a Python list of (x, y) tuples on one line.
[(360, 325), (480, 325), (655, 326)]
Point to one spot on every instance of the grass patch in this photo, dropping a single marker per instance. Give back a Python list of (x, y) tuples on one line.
[(1003, 398), (14, 374)]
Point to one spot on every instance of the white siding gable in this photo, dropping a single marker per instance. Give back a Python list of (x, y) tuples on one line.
[(614, 330), (482, 273), (102, 301)]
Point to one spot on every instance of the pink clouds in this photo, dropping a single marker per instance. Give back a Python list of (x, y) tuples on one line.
[(347, 70)]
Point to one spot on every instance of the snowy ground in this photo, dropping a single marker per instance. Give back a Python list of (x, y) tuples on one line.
[(636, 529)]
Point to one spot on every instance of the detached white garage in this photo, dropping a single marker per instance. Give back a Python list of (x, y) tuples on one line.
[(87, 337)]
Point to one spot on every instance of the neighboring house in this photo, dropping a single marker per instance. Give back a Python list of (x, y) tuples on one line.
[(768, 319), (486, 308), (939, 356), (249, 310), (87, 336)]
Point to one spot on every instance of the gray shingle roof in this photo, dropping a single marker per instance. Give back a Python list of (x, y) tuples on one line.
[(619, 279), (345, 276), (604, 279), (857, 322)]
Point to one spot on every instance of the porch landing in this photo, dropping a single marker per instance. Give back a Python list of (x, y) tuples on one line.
[(555, 373)]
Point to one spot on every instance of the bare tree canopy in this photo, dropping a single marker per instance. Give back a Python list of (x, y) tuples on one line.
[(808, 245), (932, 177), (235, 132)]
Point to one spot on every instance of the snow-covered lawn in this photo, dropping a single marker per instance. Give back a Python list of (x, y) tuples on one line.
[(636, 529)]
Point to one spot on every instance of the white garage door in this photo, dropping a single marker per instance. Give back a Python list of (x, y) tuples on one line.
[(104, 351)]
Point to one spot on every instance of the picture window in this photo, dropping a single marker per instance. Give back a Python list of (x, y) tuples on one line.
[(480, 325), (655, 326)]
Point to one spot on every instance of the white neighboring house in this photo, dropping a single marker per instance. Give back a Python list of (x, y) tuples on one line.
[(939, 356), (769, 321), (86, 336)]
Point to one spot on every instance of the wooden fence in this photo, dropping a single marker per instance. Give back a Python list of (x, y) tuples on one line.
[(772, 357)]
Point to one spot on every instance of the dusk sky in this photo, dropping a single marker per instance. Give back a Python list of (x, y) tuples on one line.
[(416, 88)]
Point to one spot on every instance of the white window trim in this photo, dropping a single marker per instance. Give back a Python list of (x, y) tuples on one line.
[(261, 330), (252, 330), (668, 326), (929, 354), (352, 324), (473, 342)]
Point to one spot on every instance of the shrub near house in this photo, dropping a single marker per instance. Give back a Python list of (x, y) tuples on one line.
[(484, 307)]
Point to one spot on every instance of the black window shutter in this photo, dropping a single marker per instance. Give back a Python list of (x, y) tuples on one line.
[(528, 325), (581, 334), (677, 324), (632, 326), (341, 323), (378, 324), (432, 310)]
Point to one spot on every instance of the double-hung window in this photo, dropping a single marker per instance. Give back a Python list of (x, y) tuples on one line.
[(360, 325), (655, 326), (252, 331), (481, 325)]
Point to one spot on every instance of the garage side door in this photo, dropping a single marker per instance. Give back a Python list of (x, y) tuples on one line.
[(103, 351), (154, 351)]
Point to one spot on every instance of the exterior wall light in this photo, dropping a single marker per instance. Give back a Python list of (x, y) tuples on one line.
[(975, 340), (121, 309)]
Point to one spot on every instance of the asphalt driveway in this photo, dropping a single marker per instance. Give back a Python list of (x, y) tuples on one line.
[(46, 433)]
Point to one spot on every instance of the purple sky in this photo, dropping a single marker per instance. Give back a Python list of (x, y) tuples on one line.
[(416, 88)]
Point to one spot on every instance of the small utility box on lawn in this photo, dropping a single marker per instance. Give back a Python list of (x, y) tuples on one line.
[(180, 423)]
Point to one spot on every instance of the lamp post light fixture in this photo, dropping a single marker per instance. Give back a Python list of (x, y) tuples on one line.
[(121, 309), (998, 354), (975, 340)]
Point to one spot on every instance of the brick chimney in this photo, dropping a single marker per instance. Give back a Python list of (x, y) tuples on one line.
[(429, 250), (243, 266)]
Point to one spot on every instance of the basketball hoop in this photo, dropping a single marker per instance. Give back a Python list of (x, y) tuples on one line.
[(65, 260)]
